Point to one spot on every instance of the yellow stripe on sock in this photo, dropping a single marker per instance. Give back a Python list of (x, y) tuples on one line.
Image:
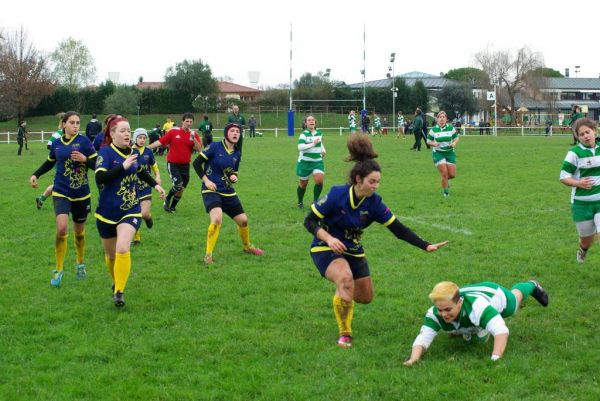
[(122, 269), (212, 237), (61, 251), (344, 312), (80, 246)]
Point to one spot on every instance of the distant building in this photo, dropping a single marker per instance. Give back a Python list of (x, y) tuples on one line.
[(226, 90)]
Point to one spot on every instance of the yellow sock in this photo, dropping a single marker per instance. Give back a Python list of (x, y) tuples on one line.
[(61, 251), (245, 235), (137, 236), (212, 237), (344, 312), (110, 266), (122, 269), (79, 246)]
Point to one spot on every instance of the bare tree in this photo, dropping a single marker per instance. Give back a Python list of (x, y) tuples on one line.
[(73, 64), (24, 75), (511, 72)]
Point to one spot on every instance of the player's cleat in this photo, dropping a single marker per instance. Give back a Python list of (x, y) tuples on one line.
[(168, 208), (446, 194), (136, 242), (119, 300), (254, 250), (81, 271), (57, 278), (39, 202), (208, 259), (345, 341), (149, 222), (540, 294), (112, 289), (300, 205), (581, 254)]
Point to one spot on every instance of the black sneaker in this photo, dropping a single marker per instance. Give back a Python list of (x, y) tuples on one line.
[(149, 222), (300, 205), (119, 300), (540, 294), (168, 209)]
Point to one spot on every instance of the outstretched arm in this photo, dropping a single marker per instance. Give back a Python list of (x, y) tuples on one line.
[(406, 234)]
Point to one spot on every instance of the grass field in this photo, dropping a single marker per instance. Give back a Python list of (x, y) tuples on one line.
[(262, 328)]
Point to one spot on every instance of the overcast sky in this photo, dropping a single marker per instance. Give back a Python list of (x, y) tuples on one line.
[(236, 36)]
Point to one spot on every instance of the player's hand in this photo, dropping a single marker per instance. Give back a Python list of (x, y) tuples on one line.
[(410, 362), (131, 159), (210, 185), (336, 245), (586, 183), (78, 156), (233, 178), (33, 181), (435, 247), (161, 191)]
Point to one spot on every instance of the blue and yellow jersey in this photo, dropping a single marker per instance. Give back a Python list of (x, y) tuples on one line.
[(147, 162), (345, 217), (220, 163), (71, 180), (119, 198)]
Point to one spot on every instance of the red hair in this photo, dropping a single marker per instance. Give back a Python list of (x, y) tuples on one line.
[(110, 124)]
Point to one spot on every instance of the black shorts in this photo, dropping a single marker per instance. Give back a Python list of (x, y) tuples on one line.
[(107, 230), (179, 173), (358, 265), (231, 205), (78, 209)]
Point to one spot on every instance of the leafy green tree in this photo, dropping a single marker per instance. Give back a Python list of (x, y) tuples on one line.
[(457, 99), (73, 64), (419, 96), (547, 72), (471, 75), (123, 101), (24, 75), (317, 87), (191, 79)]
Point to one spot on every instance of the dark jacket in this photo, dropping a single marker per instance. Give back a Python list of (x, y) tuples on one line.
[(92, 128)]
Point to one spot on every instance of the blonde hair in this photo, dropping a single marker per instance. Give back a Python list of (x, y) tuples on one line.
[(445, 291), (441, 112)]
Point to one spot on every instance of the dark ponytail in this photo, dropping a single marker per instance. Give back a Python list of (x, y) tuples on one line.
[(362, 153)]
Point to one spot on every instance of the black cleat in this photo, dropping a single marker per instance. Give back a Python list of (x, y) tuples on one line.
[(119, 300), (540, 294), (149, 222), (300, 205)]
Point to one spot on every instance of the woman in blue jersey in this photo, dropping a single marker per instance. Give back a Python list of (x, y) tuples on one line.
[(148, 163), (72, 154), (119, 214), (337, 222), (475, 311), (217, 166)]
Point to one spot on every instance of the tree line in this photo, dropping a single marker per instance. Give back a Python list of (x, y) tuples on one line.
[(35, 84)]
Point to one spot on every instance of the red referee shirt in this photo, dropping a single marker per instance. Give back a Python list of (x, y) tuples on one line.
[(180, 144)]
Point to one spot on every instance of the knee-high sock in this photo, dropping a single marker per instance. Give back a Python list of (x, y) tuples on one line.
[(137, 236), (110, 266), (245, 235), (212, 237), (170, 195), (61, 251), (175, 201), (525, 288), (317, 191), (79, 246), (344, 311), (122, 269), (300, 192)]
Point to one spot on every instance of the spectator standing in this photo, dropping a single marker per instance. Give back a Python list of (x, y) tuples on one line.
[(93, 128), (417, 129), (22, 137), (252, 126)]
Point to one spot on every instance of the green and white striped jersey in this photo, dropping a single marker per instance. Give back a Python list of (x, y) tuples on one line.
[(443, 136), (310, 146), (481, 303), (583, 162), (352, 121)]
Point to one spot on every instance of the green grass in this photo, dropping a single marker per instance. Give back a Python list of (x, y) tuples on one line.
[(262, 328)]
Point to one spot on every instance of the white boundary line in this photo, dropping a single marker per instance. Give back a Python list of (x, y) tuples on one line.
[(464, 231)]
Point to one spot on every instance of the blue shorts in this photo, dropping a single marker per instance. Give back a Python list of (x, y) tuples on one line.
[(231, 205), (107, 230), (78, 209), (358, 265)]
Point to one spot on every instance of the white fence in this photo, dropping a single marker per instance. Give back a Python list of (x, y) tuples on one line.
[(44, 136)]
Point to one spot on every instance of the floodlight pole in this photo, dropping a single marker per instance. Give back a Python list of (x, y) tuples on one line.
[(495, 109), (393, 61), (364, 69)]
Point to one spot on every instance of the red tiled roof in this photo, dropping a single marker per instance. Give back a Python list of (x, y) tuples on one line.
[(230, 87), (150, 85)]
